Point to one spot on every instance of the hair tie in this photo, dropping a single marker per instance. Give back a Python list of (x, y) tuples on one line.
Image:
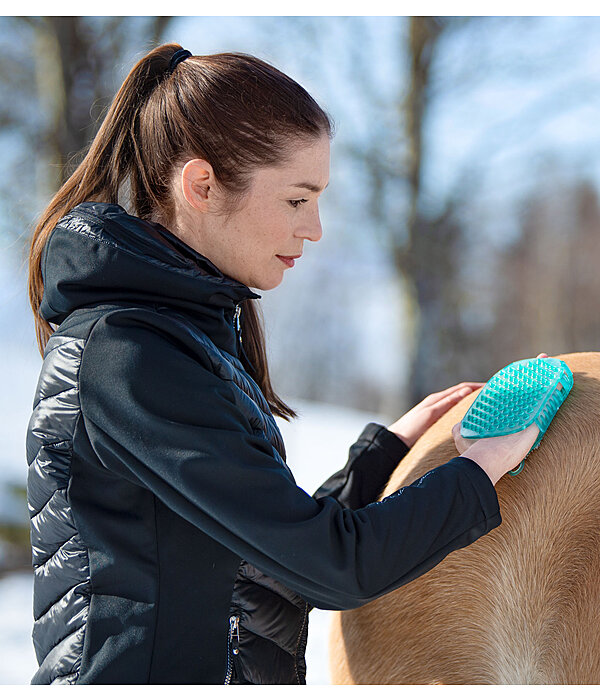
[(177, 57)]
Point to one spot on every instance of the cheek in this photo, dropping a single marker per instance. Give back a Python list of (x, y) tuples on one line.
[(274, 237), (265, 233)]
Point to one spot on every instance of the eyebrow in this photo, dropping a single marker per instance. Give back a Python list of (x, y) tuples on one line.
[(309, 186)]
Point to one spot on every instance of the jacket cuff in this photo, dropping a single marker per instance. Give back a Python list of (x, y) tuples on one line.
[(375, 455), (394, 447), (482, 484), (371, 460)]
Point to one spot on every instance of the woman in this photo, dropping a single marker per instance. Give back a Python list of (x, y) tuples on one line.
[(170, 541)]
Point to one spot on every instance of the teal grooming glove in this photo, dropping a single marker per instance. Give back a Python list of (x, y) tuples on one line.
[(519, 394)]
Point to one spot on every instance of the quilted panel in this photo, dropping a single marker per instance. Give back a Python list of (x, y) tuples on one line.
[(61, 588)]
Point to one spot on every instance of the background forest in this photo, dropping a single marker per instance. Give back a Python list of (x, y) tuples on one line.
[(461, 225)]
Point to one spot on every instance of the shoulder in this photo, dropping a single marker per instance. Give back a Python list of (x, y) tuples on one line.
[(140, 362), (146, 332), (141, 347)]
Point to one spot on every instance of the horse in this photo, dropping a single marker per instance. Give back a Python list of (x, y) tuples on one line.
[(520, 605)]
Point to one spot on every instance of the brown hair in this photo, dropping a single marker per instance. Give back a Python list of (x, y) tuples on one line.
[(232, 109)]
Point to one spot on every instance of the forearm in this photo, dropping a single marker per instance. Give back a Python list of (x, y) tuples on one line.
[(371, 461)]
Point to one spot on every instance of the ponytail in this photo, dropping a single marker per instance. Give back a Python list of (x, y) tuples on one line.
[(161, 116), (106, 166)]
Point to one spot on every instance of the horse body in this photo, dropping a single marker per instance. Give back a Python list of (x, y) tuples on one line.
[(521, 605)]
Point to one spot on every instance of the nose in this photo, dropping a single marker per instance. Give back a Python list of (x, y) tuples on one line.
[(313, 229)]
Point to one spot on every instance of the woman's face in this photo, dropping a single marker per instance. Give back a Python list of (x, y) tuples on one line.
[(279, 213)]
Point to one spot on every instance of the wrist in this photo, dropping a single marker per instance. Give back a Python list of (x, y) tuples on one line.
[(399, 433), (486, 459)]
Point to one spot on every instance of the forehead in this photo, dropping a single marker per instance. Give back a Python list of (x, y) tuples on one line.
[(307, 164)]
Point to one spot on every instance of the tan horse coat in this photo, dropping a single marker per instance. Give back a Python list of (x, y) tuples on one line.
[(521, 604)]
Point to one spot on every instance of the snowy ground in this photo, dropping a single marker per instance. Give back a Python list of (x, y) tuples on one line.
[(17, 659), (317, 445)]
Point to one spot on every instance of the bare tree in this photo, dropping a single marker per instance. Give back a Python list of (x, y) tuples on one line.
[(550, 281), (60, 97)]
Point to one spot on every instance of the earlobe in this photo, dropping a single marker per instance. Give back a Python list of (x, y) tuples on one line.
[(196, 179)]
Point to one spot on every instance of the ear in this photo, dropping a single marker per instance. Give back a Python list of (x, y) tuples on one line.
[(198, 183)]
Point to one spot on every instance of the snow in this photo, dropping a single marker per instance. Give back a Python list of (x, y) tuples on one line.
[(17, 658), (317, 445)]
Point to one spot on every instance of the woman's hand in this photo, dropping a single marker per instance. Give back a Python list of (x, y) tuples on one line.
[(497, 455), (413, 424)]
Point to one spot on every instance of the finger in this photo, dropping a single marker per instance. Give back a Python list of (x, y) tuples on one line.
[(443, 404), (451, 395), (434, 398), (542, 354)]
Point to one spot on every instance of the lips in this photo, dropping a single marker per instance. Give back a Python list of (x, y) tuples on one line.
[(289, 261)]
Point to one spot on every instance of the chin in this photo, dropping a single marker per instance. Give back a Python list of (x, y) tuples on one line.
[(266, 284)]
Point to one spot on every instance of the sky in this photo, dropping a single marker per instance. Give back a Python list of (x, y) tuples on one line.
[(324, 7)]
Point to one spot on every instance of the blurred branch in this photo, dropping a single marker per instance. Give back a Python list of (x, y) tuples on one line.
[(158, 28), (516, 129), (34, 22), (424, 33), (60, 85)]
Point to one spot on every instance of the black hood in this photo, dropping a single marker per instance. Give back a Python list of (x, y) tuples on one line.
[(98, 253)]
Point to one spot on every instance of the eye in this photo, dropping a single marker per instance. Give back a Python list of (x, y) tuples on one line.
[(295, 202)]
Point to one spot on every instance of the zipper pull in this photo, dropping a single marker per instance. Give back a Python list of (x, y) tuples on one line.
[(234, 630), (236, 318)]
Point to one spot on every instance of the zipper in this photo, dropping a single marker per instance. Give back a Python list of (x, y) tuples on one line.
[(237, 327), (232, 646), (237, 324), (302, 639), (236, 318)]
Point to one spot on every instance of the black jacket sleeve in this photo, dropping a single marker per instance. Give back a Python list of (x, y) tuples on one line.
[(371, 461), (157, 415)]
